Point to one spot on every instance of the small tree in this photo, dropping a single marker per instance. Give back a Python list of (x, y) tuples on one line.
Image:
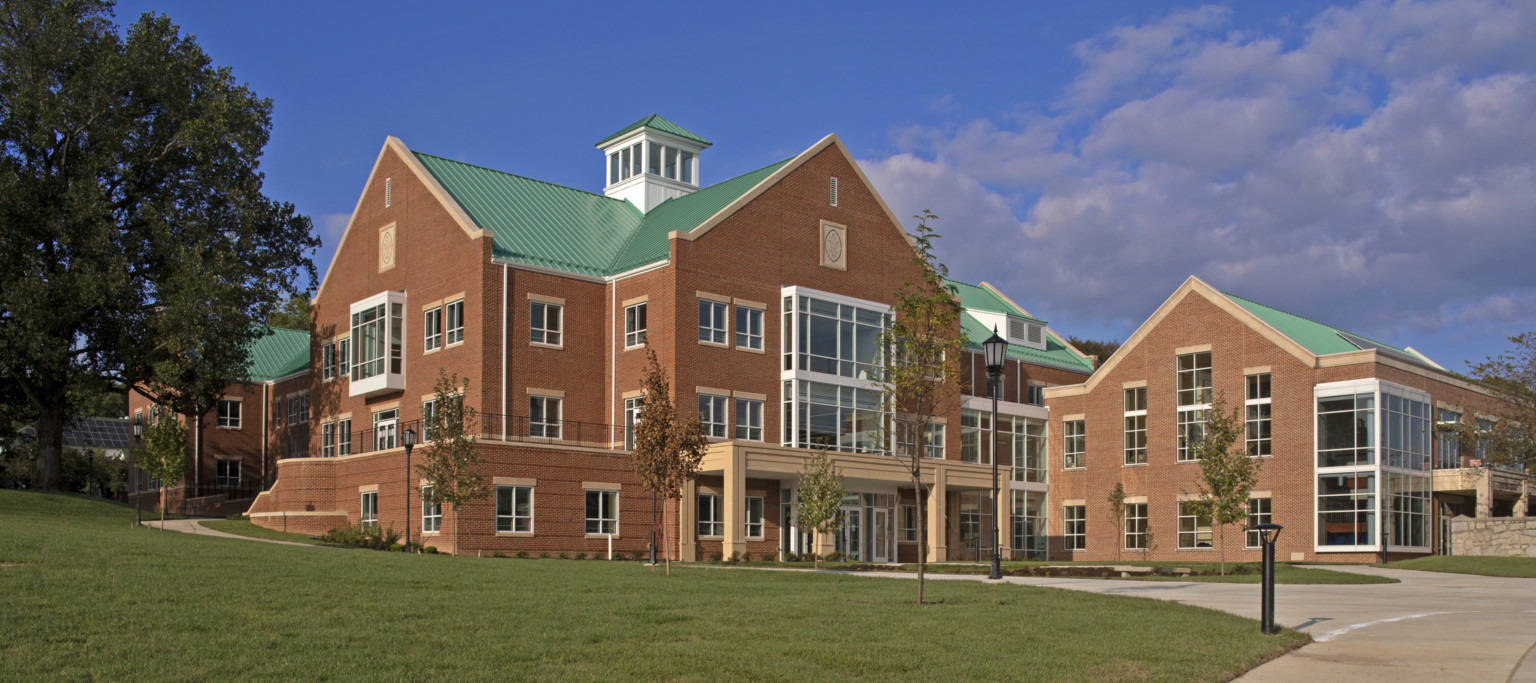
[(920, 368), (1117, 512), (451, 463), (164, 455), (1511, 439), (820, 496), (1227, 473), (668, 446)]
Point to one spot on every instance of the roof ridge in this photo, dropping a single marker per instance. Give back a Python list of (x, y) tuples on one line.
[(1336, 329), (520, 177)]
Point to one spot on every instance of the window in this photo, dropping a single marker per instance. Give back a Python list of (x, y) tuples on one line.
[(632, 408), (428, 411), (514, 509), (344, 437), (1135, 526), (1074, 445), (1257, 404), (1074, 530), (1194, 528), (226, 473), (432, 329), (933, 441), (328, 440), (370, 509), (378, 338), (384, 425), (1407, 500), (229, 414), (712, 415), (749, 419), (602, 512), (975, 437), (544, 417), (1258, 513), (343, 351), (1346, 431), (634, 325), (431, 515), (454, 311), (835, 338), (712, 321), (298, 408), (544, 323), (1136, 426), (1449, 447), (1036, 395), (906, 529), (749, 328), (1027, 437), (1194, 401), (754, 527), (1346, 509), (328, 361), (710, 525), (1404, 431)]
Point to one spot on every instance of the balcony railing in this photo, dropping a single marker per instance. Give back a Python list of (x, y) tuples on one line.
[(491, 427)]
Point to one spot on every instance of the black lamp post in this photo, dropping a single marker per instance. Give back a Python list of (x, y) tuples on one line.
[(138, 440), (1267, 535), (409, 440), (994, 349)]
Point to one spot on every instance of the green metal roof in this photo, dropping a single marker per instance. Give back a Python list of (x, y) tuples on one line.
[(657, 122), (554, 226), (649, 243), (1056, 353), (280, 353), (1318, 338), (983, 299)]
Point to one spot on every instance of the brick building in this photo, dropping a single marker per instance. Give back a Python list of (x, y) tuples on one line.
[(243, 437), (761, 296), (1352, 465)]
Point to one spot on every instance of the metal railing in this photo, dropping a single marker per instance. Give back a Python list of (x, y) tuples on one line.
[(491, 427)]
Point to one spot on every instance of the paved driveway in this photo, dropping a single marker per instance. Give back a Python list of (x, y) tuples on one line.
[(1429, 627)]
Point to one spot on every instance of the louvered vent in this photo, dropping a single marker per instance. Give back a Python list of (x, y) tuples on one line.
[(834, 191), (1015, 329), (386, 192), (1034, 334)]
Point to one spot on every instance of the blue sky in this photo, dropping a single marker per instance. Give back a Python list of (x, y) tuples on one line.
[(1367, 165)]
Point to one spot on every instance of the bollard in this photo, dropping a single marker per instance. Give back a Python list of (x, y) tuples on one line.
[(610, 547), (1267, 534)]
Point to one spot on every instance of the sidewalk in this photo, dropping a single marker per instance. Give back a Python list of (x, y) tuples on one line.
[(192, 526)]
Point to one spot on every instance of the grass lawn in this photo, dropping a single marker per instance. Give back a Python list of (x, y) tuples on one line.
[(244, 527), (1284, 573), (88, 596), (1519, 567)]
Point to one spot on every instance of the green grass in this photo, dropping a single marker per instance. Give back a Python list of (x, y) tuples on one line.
[(244, 527), (88, 596), (1284, 573), (1519, 567)]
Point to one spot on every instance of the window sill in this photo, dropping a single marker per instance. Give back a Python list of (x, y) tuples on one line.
[(754, 538), (450, 345), (1134, 464), (718, 345), (542, 345), (431, 351), (601, 536), (515, 534), (635, 347), (1073, 469), (229, 429), (711, 538), (751, 350), (1194, 550), (431, 533), (1186, 462)]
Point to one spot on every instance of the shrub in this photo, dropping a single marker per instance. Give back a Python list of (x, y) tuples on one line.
[(834, 557), (431, 550), (522, 554), (543, 556), (735, 558), (637, 555), (579, 556), (769, 557), (715, 556), (791, 557), (563, 556), (498, 554), (363, 536)]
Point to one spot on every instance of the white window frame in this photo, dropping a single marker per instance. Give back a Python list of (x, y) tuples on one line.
[(1074, 527), (328, 362), (749, 419), (386, 371), (228, 419), (343, 437), (1190, 540), (607, 518), (1257, 411), (431, 516), (546, 323), (386, 429), (633, 406), (432, 329), (905, 532), (749, 328), (1255, 517), (428, 409), (713, 418), (714, 322), (1194, 404), (711, 516), (327, 439), (1135, 407), (753, 528), (1135, 526), (221, 475), (1035, 395), (933, 440), (368, 508), (453, 322), (635, 320), (513, 520), (1074, 444), (547, 426)]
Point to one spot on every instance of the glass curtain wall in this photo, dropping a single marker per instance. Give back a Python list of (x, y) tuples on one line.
[(1373, 467), (1029, 525)]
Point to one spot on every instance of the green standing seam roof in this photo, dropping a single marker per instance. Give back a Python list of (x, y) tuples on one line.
[(649, 243), (279, 354), (982, 299), (1056, 353), (659, 123), (1318, 338)]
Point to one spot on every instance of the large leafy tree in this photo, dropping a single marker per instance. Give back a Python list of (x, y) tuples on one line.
[(137, 245), (451, 464), (1511, 375), (920, 373), (1227, 473), (669, 446)]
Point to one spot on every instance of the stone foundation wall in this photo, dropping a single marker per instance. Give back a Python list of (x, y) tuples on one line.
[(1499, 537)]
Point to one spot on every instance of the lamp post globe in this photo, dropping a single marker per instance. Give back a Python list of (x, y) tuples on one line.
[(995, 349), (408, 439)]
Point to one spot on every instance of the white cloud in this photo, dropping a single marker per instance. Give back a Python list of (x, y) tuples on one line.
[(1377, 173)]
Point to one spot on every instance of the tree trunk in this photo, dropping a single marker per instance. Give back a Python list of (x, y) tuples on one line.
[(197, 458), (48, 474), (922, 530), (666, 537)]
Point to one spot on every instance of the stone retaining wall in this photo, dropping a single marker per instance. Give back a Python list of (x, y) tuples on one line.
[(1500, 537)]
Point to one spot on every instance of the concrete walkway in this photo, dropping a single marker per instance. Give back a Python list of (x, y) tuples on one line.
[(193, 526), (1430, 626)]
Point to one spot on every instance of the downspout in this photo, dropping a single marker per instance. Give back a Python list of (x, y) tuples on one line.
[(504, 362), (613, 356), (266, 392)]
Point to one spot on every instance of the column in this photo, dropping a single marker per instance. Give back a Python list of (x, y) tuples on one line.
[(938, 550), (1524, 501), (1004, 520), (734, 502), (1485, 494), (687, 526)]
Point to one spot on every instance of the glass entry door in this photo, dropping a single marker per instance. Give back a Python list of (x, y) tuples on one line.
[(880, 526), (850, 538)]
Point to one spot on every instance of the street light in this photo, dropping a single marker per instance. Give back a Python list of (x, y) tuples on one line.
[(1267, 535), (409, 439), (138, 439), (994, 349)]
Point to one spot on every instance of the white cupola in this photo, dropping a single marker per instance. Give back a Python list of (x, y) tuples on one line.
[(650, 161)]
